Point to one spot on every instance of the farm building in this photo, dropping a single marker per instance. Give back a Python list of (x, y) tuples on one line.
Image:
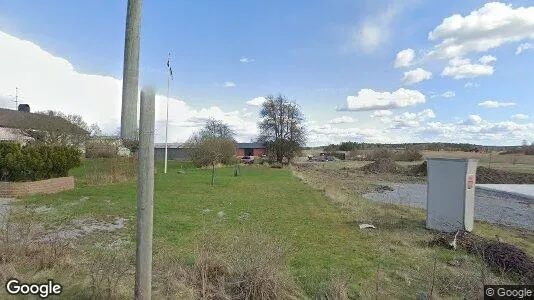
[(175, 151), (250, 149)]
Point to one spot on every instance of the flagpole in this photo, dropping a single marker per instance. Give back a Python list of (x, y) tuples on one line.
[(167, 120)]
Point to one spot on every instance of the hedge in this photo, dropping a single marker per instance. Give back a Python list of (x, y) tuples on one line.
[(36, 162)]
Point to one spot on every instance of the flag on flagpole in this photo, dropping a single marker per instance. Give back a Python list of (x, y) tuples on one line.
[(169, 67)]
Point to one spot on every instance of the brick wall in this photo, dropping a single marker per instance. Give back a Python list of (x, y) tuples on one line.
[(48, 186), (256, 152), (259, 152)]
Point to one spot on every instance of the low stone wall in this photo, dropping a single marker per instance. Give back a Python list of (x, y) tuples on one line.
[(48, 186)]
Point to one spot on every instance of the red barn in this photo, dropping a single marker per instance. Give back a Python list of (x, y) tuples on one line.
[(250, 149)]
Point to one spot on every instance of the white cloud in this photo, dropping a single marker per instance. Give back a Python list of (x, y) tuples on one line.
[(342, 120), (495, 104), (246, 60), (368, 99), (472, 120), (489, 27), (229, 84), (327, 134), (487, 59), (459, 68), (406, 119), (415, 76), (381, 113), (48, 82), (476, 130), (520, 117), (447, 94), (404, 58), (523, 47), (470, 84), (374, 31), (258, 101)]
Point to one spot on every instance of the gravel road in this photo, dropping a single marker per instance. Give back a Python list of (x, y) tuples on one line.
[(490, 206)]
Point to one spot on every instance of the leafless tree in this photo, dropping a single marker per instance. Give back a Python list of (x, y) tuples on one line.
[(213, 144), (281, 128)]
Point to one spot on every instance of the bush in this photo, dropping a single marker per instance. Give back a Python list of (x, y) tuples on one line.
[(100, 149), (358, 155), (213, 151), (36, 162), (409, 155), (381, 154)]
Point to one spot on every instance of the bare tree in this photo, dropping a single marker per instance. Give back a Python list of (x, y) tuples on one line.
[(213, 144), (216, 129), (94, 130), (281, 128)]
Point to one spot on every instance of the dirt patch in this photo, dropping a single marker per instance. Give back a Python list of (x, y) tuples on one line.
[(84, 227), (503, 256), (487, 175)]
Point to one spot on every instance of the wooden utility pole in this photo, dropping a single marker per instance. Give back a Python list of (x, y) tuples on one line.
[(145, 197), (130, 77)]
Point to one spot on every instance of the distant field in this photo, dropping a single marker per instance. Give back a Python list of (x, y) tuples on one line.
[(485, 157), (509, 162)]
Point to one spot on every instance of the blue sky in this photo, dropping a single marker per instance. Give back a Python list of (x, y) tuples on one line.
[(340, 60)]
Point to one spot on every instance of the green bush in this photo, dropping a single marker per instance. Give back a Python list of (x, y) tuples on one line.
[(36, 162)]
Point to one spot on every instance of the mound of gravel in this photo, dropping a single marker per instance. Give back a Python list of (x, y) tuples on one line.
[(382, 165), (487, 175), (505, 257)]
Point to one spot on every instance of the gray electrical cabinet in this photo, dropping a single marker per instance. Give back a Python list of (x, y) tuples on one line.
[(451, 194)]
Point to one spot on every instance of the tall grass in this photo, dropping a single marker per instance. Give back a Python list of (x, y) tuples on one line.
[(110, 171)]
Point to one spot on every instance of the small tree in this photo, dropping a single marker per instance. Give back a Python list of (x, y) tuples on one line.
[(213, 144), (281, 128), (213, 151)]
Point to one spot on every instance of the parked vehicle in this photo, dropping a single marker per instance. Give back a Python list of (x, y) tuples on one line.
[(247, 159)]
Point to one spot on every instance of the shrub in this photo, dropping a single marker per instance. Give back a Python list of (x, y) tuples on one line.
[(212, 151), (100, 149), (132, 145), (36, 162), (358, 155), (409, 155), (381, 154)]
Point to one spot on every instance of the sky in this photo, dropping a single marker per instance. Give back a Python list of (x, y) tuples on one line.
[(360, 70)]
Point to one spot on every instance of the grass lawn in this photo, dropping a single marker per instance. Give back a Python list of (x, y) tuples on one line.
[(320, 237)]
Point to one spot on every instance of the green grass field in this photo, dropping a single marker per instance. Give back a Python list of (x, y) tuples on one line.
[(319, 234)]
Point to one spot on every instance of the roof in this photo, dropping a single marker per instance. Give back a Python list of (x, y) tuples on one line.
[(250, 145), (24, 120), (11, 134)]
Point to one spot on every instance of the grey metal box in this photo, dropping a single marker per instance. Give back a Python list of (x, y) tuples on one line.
[(451, 194)]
